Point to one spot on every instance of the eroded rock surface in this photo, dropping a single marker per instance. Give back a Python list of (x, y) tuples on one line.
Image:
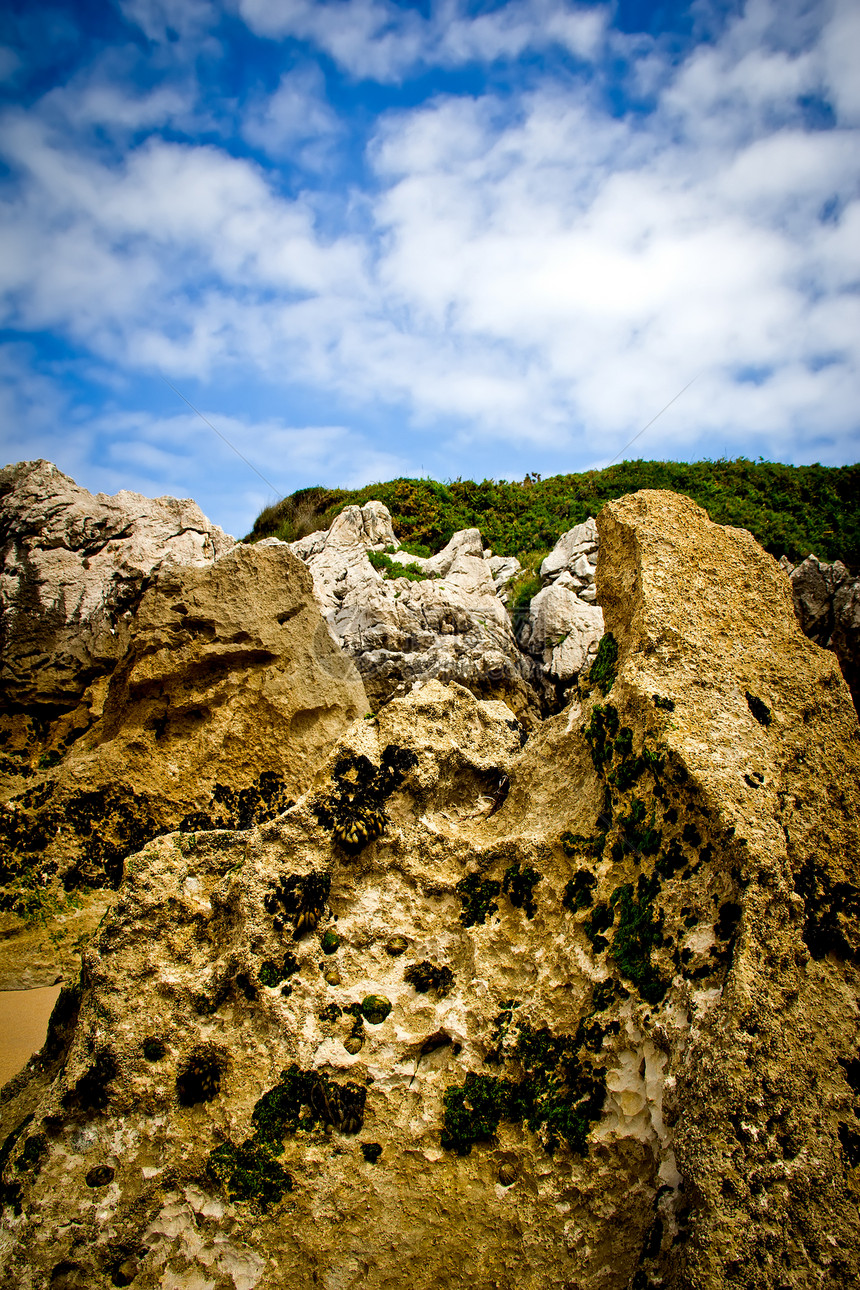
[(581, 1015), (227, 698)]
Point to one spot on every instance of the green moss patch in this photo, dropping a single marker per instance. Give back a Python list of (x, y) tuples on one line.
[(579, 892), (637, 932), (519, 884), (249, 1172), (479, 898), (554, 1094), (603, 670)]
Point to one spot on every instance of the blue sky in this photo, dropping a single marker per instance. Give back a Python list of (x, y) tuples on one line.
[(371, 237)]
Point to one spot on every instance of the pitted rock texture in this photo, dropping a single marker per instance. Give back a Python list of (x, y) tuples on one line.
[(632, 1059), (227, 699), (827, 604), (450, 627)]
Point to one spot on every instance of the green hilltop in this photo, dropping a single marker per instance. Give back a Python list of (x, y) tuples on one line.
[(790, 510)]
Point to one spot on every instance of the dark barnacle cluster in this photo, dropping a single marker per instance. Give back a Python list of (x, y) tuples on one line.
[(301, 898), (304, 1100), (424, 976), (354, 810), (200, 1078), (232, 808)]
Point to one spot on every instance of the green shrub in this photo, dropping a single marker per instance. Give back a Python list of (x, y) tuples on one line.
[(391, 569), (791, 510)]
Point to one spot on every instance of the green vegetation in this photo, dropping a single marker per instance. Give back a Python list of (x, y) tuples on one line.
[(556, 1095), (790, 510), (393, 569), (518, 885), (478, 897), (603, 669)]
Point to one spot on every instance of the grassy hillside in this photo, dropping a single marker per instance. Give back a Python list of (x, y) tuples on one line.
[(791, 510)]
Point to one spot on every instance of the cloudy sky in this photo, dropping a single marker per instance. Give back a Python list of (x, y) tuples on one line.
[(375, 237)]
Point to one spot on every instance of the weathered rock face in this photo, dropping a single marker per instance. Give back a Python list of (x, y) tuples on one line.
[(827, 604), (228, 697), (451, 627), (581, 1015), (72, 567)]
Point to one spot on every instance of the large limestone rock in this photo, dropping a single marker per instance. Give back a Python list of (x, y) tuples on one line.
[(579, 1016), (72, 566), (450, 627), (227, 698)]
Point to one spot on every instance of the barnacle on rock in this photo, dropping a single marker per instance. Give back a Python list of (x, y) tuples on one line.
[(371, 1151), (200, 1078), (396, 945), (375, 1008), (329, 942), (302, 897), (272, 973), (354, 810), (303, 1100), (424, 977)]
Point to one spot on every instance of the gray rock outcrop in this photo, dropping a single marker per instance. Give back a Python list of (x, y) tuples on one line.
[(827, 604), (72, 566), (581, 1014), (450, 626), (454, 626)]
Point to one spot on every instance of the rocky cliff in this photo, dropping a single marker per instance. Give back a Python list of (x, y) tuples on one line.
[(575, 1012), (156, 675)]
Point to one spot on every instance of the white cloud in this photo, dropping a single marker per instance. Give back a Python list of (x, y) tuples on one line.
[(527, 269), (383, 41), (294, 122)]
